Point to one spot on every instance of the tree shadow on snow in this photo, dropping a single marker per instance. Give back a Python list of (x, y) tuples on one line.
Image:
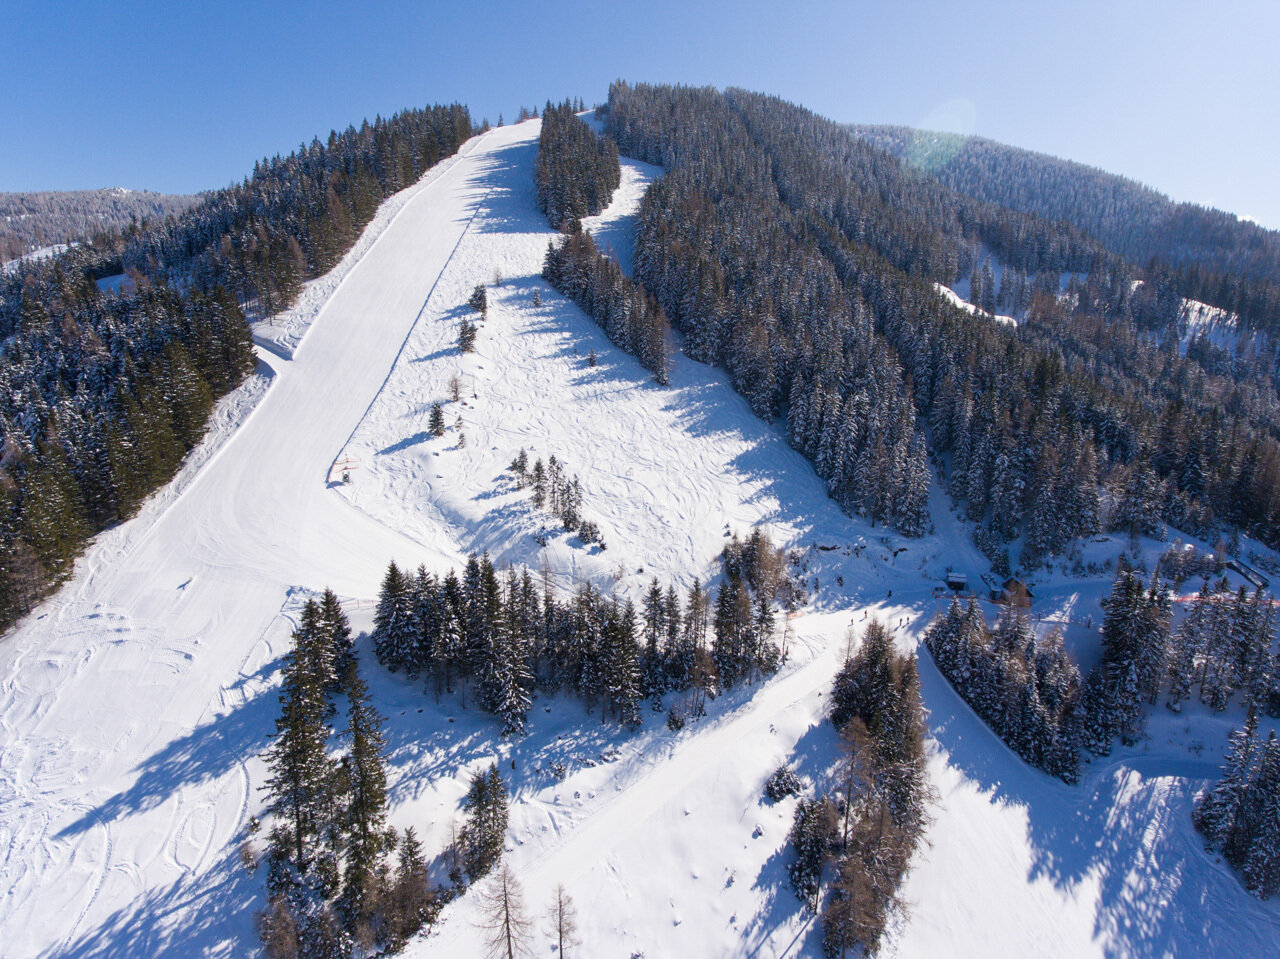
[(199, 914), (813, 759), (511, 204), (201, 755), (1128, 822)]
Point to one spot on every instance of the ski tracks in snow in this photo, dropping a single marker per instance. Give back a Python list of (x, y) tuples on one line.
[(134, 703)]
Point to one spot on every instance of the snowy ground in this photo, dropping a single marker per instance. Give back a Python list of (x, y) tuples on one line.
[(133, 705), (955, 299), (44, 253)]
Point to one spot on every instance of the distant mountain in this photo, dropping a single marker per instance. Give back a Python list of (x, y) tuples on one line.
[(1222, 259), (30, 221)]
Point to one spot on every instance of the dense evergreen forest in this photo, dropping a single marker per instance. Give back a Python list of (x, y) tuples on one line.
[(1239, 816), (577, 171), (632, 319), (1026, 689), (29, 221), (102, 394), (802, 258), (1206, 254), (576, 175), (1029, 692)]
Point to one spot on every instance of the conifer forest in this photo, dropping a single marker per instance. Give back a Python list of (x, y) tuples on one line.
[(674, 525)]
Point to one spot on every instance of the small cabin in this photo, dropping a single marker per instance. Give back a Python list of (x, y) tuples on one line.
[(957, 582), (1013, 592)]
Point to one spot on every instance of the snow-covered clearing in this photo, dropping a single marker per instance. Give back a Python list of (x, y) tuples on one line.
[(1220, 327), (133, 705), (44, 253), (955, 299)]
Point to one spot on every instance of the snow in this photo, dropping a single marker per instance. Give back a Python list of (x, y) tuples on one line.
[(955, 299), (134, 704), (281, 333), (116, 283), (1219, 326), (44, 253)]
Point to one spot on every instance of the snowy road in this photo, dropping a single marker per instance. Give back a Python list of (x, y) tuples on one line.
[(124, 703)]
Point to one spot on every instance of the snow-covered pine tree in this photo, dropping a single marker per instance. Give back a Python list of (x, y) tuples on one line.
[(414, 901), (1186, 648), (365, 820), (512, 678), (300, 784), (395, 633), (1216, 813), (620, 664), (485, 830), (812, 832), (336, 632), (653, 674), (1260, 821)]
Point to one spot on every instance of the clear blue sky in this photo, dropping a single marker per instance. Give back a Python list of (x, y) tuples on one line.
[(180, 96)]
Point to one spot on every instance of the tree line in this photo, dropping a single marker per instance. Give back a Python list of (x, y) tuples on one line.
[(29, 221), (331, 884), (1239, 816), (576, 171), (102, 395), (1029, 692), (632, 319), (296, 216), (803, 259), (500, 636), (1210, 255), (852, 848), (1026, 689)]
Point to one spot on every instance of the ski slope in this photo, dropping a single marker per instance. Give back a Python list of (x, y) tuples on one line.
[(133, 705), (130, 703)]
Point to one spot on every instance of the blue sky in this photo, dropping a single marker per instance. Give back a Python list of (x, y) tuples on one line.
[(180, 97)]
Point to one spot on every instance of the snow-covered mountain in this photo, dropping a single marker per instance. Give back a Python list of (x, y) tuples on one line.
[(134, 704)]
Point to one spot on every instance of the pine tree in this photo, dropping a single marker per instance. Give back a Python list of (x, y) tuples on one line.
[(435, 424), (1260, 865), (652, 666), (1216, 813), (315, 647), (414, 902), (301, 777), (485, 831), (466, 335), (336, 632), (620, 663), (512, 679), (366, 808), (812, 833), (1135, 636), (395, 634)]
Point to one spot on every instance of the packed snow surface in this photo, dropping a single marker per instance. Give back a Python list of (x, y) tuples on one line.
[(134, 704)]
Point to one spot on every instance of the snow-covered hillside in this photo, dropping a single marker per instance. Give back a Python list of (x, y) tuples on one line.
[(955, 299), (134, 704), (44, 253)]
